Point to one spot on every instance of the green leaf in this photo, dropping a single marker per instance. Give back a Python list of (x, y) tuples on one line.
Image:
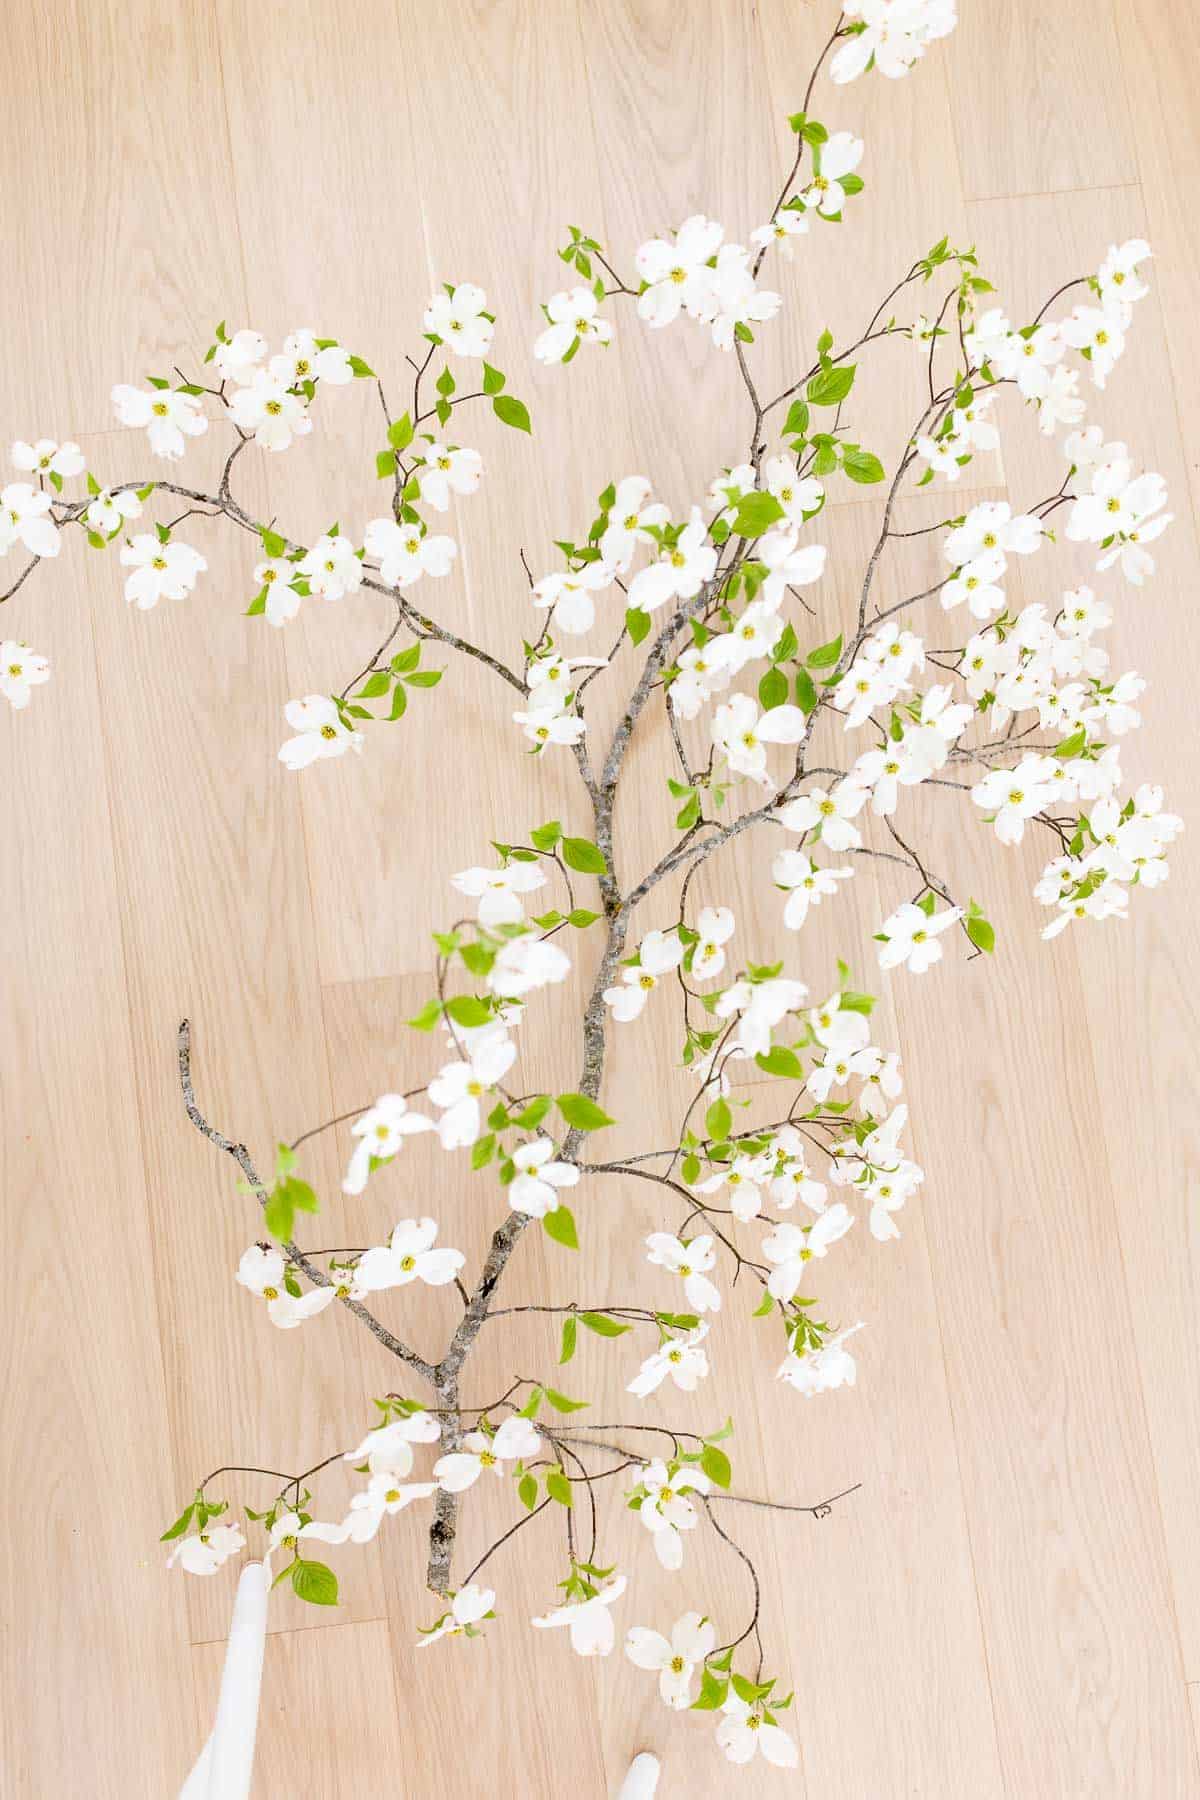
[(527, 1491), (712, 1693), (637, 623), (581, 1113), (583, 855), (374, 685), (796, 423), (772, 689), (400, 433), (581, 918), (399, 703), (180, 1526), (715, 1465), (544, 837), (424, 678), (302, 1196), (718, 1120), (466, 1010), (314, 1582), (428, 1016), (602, 1325), (563, 1403), (981, 933), (862, 466), (780, 1061), (558, 1487), (272, 543), (756, 513), (830, 386), (481, 1151), (825, 655), (512, 412), (570, 1333), (493, 380), (385, 464), (279, 1213), (445, 383), (360, 368), (560, 1225), (531, 1116), (806, 693), (256, 606)]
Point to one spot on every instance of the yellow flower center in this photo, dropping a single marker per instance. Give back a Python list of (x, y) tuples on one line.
[(408, 1264), (328, 731), (487, 1459), (270, 1293), (159, 409), (274, 406)]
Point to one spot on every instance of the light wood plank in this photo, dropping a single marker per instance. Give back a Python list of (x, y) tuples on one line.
[(1010, 68)]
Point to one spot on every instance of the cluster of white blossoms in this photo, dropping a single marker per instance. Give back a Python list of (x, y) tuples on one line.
[(890, 35), (1026, 718)]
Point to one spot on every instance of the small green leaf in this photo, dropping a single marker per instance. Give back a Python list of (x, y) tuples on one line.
[(806, 693), (780, 1061), (581, 1113), (715, 1465), (314, 1582), (981, 933), (180, 1526), (527, 1491), (279, 1213), (583, 855), (558, 1487), (862, 466), (493, 380), (602, 1325), (360, 368), (772, 689), (796, 423), (718, 1120), (511, 411), (563, 1403), (544, 837), (272, 543), (374, 685), (560, 1225), (830, 386), (825, 655), (400, 432), (466, 1010), (712, 1693), (570, 1334), (756, 513), (637, 623), (385, 464), (399, 703), (428, 1016)]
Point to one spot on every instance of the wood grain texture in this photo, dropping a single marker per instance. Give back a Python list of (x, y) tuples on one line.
[(1011, 1605)]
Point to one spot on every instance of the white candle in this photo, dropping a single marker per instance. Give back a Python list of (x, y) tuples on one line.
[(226, 1763), (641, 1783)]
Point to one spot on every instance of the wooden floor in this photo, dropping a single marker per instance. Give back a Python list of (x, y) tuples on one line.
[(1011, 1605)]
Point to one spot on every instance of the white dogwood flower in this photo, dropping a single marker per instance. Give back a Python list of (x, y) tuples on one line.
[(680, 1358), (469, 1607), (499, 891), (332, 568), (912, 937), (690, 1262), (790, 1247), (408, 1256), (574, 320), (262, 1272), (404, 555), (166, 416), (677, 274), (571, 593), (47, 458), (160, 571), (715, 927), (459, 1089), (516, 1440), (675, 1659), (731, 299), (389, 1448), (25, 519), (839, 155), (665, 1509), (266, 410), (381, 1132), (744, 1730), (320, 731), (681, 570), (819, 1371), (385, 1493), (205, 1551), (658, 954), (630, 518), (108, 512), (527, 963), (459, 319), (304, 358), (238, 358), (589, 1622), (445, 469), (534, 1188), (21, 670), (741, 733)]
